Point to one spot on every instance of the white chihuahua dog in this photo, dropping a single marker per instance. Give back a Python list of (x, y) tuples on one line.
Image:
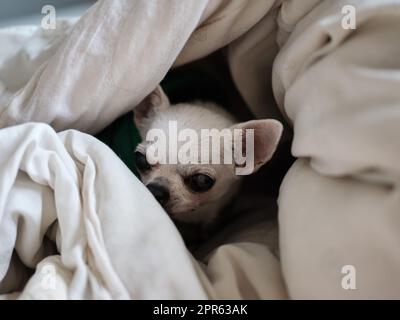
[(196, 192)]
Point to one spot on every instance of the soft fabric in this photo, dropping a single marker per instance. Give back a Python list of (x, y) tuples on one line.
[(338, 204), (104, 237)]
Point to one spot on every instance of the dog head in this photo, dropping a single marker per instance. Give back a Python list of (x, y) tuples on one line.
[(193, 180)]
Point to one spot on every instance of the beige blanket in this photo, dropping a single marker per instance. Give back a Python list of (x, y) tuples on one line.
[(338, 205)]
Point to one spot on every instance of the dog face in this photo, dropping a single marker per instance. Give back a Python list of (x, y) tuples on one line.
[(196, 190)]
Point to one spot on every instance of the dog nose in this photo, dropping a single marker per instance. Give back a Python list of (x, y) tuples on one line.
[(159, 192)]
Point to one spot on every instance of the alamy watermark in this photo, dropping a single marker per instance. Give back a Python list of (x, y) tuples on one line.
[(49, 20), (188, 147), (49, 274), (349, 17), (349, 280)]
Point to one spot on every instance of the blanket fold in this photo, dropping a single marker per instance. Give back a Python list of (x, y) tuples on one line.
[(47, 176)]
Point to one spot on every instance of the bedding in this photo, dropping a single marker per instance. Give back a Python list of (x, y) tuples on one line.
[(62, 182), (76, 223)]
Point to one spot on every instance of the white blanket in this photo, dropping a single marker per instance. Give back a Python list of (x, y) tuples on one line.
[(338, 205), (105, 222)]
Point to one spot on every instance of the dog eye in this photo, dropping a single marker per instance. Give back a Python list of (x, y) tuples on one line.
[(200, 182), (141, 161)]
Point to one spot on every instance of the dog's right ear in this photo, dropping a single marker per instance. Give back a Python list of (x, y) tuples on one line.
[(154, 102)]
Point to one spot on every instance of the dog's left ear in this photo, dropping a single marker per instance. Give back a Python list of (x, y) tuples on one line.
[(266, 133), (154, 102)]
